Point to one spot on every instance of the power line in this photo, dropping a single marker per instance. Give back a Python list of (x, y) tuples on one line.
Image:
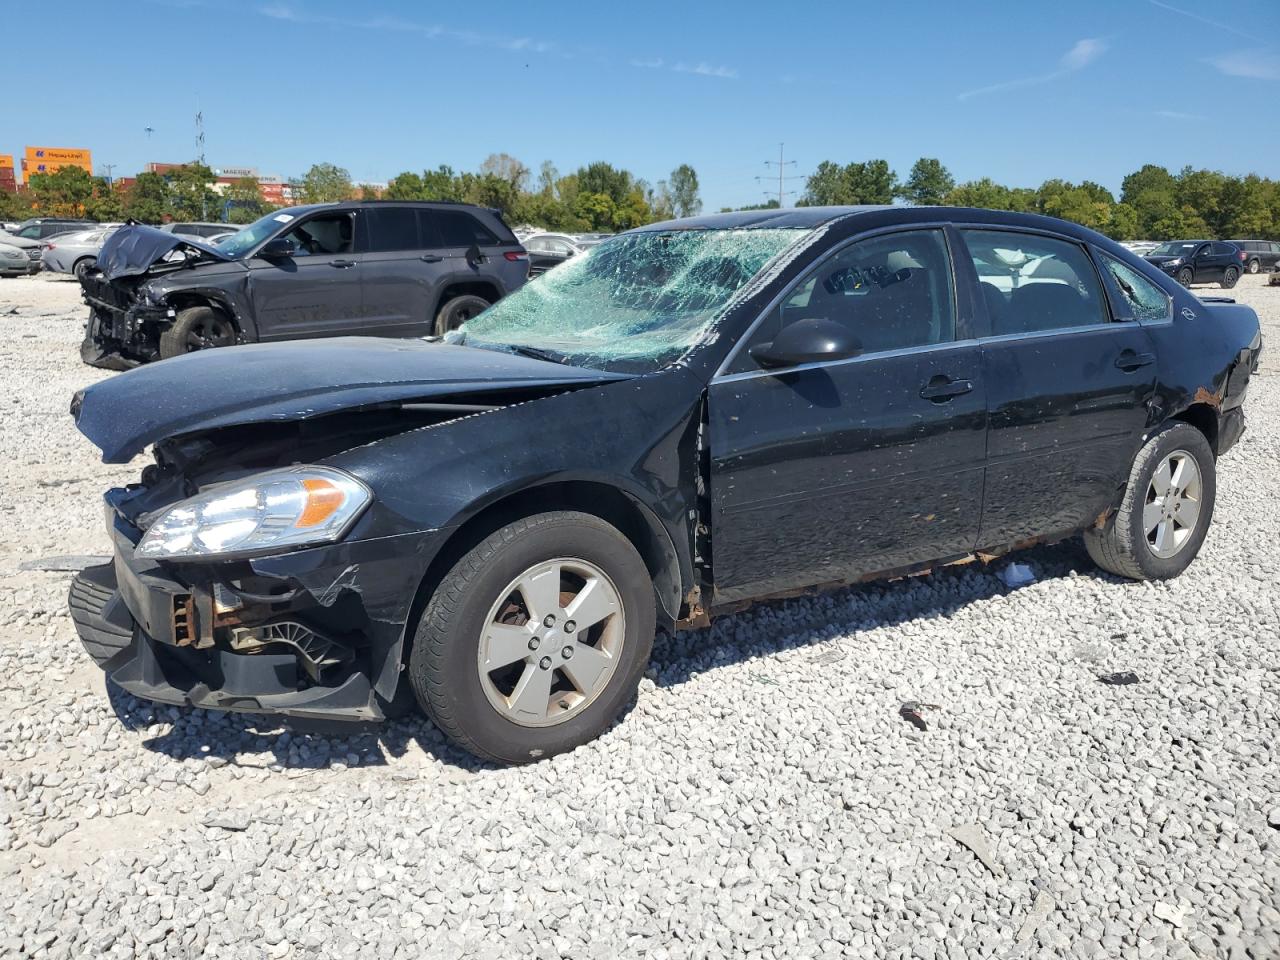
[(781, 163)]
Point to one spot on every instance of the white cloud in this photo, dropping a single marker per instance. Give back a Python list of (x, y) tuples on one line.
[(1082, 53), (1179, 115), (1255, 64), (704, 69), (1220, 23)]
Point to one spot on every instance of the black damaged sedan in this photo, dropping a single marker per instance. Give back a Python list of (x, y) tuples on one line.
[(693, 416)]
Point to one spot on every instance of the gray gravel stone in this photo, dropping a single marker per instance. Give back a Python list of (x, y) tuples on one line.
[(763, 797)]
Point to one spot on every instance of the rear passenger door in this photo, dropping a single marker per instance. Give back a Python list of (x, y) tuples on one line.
[(828, 471), (401, 273), (1068, 385)]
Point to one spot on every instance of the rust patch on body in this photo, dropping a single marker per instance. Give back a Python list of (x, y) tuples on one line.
[(1205, 395)]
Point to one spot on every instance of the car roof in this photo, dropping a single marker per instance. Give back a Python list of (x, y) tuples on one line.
[(785, 218)]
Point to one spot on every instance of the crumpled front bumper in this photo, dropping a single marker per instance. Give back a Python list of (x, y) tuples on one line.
[(215, 679), (163, 635)]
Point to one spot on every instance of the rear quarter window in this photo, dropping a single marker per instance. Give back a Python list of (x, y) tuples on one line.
[(1144, 299), (457, 228)]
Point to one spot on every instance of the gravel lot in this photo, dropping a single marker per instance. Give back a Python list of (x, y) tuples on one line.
[(764, 797)]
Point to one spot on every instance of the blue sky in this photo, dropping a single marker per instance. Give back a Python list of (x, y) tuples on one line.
[(1018, 91)]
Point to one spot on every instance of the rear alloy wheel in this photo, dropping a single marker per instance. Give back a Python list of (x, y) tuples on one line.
[(1166, 510), (536, 639), (458, 311), (197, 328), (1229, 277), (83, 266), (1185, 276), (1254, 266)]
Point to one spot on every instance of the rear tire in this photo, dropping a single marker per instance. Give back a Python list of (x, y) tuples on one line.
[(1185, 276), (493, 705), (1254, 266), (1125, 547), (458, 311), (1230, 277), (196, 328), (83, 266)]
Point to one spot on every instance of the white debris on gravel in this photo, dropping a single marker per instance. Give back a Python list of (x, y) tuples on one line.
[(764, 798)]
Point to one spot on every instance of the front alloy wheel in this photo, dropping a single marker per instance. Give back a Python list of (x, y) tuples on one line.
[(534, 642), (552, 642)]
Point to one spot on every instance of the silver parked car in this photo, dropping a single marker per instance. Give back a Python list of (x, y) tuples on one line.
[(18, 255), (75, 253), (202, 231)]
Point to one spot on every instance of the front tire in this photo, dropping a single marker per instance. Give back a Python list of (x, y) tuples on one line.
[(535, 641), (1166, 510), (1185, 276), (83, 266), (1229, 278), (458, 311), (196, 328)]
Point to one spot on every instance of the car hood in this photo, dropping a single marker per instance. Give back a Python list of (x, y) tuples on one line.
[(1160, 260), (298, 380), (23, 243), (134, 249)]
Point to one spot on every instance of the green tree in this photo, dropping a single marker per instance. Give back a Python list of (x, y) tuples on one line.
[(1247, 208), (928, 183), (506, 167), (870, 182), (985, 193), (147, 199), (683, 186), (64, 193), (326, 182), (15, 206), (603, 178), (246, 201), (597, 209), (191, 194)]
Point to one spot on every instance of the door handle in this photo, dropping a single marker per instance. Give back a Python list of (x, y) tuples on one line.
[(942, 388), (430, 258), (1128, 361), (342, 263)]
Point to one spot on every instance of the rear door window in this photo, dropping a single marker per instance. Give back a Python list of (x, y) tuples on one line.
[(392, 228), (1033, 284), (460, 229)]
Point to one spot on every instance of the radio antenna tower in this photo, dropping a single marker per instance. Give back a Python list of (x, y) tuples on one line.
[(200, 136), (781, 163)]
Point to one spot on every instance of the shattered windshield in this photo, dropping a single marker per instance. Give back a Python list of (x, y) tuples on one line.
[(242, 241), (633, 303)]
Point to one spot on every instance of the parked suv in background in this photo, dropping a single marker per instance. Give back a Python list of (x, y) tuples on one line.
[(1199, 261), (41, 227), (1259, 255), (375, 268)]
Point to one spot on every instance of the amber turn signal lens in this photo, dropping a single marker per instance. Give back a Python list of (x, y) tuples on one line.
[(323, 498)]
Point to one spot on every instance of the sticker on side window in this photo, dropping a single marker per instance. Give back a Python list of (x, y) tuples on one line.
[(283, 217)]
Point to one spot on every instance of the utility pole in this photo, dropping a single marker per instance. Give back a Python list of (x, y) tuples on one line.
[(204, 210), (781, 163), (109, 167)]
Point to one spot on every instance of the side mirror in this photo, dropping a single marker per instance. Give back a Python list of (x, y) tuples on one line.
[(277, 248), (807, 341)]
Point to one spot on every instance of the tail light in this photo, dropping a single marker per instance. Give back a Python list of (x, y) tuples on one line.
[(1242, 256), (49, 246), (515, 256)]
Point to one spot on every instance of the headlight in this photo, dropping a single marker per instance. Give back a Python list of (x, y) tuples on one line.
[(293, 507), (1176, 262)]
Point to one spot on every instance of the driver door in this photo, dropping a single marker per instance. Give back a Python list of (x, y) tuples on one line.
[(316, 292), (832, 470)]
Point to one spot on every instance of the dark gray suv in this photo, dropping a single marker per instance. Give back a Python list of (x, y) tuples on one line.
[(374, 268)]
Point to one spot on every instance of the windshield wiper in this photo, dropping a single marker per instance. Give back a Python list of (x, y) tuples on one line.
[(535, 353)]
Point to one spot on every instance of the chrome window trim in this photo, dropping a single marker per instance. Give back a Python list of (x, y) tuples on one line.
[(721, 373), (1110, 325), (860, 358)]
